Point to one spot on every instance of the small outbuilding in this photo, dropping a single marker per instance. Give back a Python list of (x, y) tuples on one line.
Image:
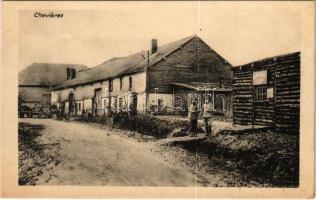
[(218, 94), (267, 92)]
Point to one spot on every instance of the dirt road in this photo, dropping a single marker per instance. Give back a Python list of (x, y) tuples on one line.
[(87, 155)]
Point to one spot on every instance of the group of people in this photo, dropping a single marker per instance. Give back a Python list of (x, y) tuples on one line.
[(206, 112)]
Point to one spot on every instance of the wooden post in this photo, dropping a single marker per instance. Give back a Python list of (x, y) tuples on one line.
[(220, 79), (232, 100), (253, 104), (274, 96), (146, 92), (213, 99), (148, 58)]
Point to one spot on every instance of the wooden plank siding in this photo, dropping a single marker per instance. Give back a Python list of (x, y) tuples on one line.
[(242, 96), (283, 110), (287, 107), (193, 62)]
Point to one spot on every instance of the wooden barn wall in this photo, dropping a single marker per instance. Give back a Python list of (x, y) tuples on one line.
[(283, 110), (203, 64), (34, 94), (243, 96), (287, 107)]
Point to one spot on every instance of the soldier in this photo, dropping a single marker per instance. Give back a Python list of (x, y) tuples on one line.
[(193, 117), (207, 108)]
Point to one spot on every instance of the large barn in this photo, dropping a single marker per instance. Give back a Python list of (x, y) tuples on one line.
[(146, 79), (37, 80), (267, 92)]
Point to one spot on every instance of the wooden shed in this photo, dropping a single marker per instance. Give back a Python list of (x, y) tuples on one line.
[(219, 95), (267, 92)]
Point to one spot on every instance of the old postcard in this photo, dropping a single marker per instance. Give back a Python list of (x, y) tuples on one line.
[(158, 99)]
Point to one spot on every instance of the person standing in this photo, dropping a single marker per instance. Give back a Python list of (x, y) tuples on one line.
[(207, 108), (193, 117)]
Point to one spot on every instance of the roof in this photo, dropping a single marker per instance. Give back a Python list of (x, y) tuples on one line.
[(201, 86), (273, 58), (46, 74), (119, 66)]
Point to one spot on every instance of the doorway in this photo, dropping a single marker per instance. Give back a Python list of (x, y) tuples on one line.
[(220, 103), (71, 102)]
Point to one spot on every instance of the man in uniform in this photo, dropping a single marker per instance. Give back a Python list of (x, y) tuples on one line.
[(193, 117), (207, 108)]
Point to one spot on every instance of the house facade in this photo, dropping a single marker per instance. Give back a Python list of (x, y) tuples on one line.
[(143, 80), (37, 80), (267, 92)]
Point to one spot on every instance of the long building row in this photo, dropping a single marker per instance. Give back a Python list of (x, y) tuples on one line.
[(166, 79)]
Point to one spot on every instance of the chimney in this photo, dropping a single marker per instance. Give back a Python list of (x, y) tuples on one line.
[(154, 46)]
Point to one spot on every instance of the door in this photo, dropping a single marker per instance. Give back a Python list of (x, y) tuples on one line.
[(133, 106), (71, 102), (219, 103), (96, 105)]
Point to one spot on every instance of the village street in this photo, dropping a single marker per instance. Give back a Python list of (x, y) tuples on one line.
[(80, 154)]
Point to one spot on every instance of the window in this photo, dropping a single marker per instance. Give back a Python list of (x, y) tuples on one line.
[(121, 83), (260, 94), (110, 102), (120, 103), (110, 86), (260, 77), (115, 103), (68, 73), (71, 73), (177, 102), (160, 104), (130, 82)]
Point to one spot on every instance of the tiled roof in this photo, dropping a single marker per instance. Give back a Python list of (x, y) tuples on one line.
[(116, 67), (46, 74)]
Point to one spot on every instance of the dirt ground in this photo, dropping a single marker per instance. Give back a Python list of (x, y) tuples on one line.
[(55, 152), (71, 153)]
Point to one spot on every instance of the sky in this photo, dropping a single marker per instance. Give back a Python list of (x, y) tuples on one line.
[(240, 34)]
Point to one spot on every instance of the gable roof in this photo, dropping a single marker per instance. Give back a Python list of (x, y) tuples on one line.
[(115, 67), (46, 74)]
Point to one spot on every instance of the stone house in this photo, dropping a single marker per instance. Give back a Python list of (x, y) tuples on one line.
[(37, 80), (143, 79)]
